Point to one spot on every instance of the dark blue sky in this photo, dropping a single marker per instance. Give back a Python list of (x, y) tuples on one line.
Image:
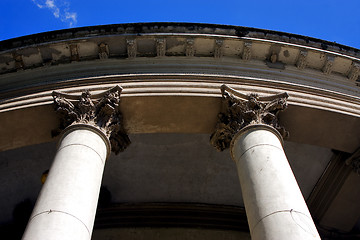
[(332, 20)]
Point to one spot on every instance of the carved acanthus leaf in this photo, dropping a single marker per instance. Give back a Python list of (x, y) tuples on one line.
[(239, 111), (103, 113)]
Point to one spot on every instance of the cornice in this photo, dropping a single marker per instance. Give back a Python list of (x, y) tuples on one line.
[(193, 41)]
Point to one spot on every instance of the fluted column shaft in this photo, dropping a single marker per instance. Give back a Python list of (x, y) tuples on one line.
[(274, 204)]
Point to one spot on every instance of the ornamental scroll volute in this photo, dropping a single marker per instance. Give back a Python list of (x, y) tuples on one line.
[(101, 111), (240, 110)]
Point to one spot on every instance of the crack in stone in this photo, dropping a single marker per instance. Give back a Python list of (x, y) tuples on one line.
[(79, 144), (58, 211), (291, 211), (257, 145), (309, 227)]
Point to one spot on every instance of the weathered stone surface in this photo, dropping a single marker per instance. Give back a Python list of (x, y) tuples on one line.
[(104, 51), (301, 61), (104, 114), (66, 206), (275, 207), (239, 110)]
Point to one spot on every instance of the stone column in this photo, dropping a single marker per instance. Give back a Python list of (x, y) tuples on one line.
[(66, 206), (273, 202)]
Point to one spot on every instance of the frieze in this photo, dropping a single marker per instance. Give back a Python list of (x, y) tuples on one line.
[(240, 110), (101, 111)]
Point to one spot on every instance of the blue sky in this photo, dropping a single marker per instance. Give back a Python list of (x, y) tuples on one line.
[(332, 20)]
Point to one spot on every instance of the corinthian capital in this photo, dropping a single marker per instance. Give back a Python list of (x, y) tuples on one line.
[(240, 110), (101, 111)]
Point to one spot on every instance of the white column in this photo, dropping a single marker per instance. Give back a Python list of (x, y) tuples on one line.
[(66, 206), (274, 204)]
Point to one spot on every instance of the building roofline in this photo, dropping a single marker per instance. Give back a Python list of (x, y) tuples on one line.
[(174, 27)]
